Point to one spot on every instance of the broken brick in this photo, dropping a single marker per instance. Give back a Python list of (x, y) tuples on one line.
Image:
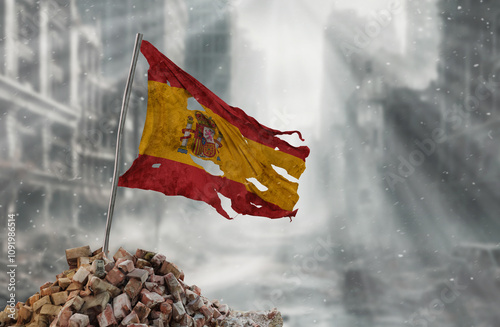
[(75, 303), (126, 265), (73, 254), (141, 263), (207, 312), (79, 320), (41, 302), (81, 275), (150, 299), (160, 280), (178, 311), (199, 320), (138, 273), (64, 282), (133, 288), (121, 306), (142, 311), (49, 290), (98, 301), (169, 267), (99, 286), (59, 297), (115, 276), (106, 317), (24, 314), (33, 299), (131, 319), (158, 259), (74, 286), (141, 254), (50, 309), (122, 253)]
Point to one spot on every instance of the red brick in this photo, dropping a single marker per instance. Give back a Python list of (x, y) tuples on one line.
[(178, 311), (141, 263), (149, 286), (75, 303), (166, 308), (121, 306), (158, 323), (223, 309), (99, 286), (151, 299), (108, 266), (199, 320), (160, 290), (196, 304), (73, 254), (216, 313), (81, 275), (50, 290), (131, 319), (150, 271), (160, 280), (64, 316), (45, 285), (186, 320), (157, 260), (173, 284), (122, 253), (59, 297), (79, 320), (169, 267), (99, 301), (195, 289), (33, 299), (24, 314), (126, 265), (86, 291), (190, 295), (138, 273), (141, 254), (41, 302), (106, 318), (133, 288), (63, 282), (207, 312), (115, 276), (142, 311)]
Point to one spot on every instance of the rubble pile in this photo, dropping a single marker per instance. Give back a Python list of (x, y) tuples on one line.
[(133, 290)]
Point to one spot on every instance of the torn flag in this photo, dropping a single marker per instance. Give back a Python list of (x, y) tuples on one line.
[(180, 148)]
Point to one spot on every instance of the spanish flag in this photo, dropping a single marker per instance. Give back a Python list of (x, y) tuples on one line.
[(177, 141)]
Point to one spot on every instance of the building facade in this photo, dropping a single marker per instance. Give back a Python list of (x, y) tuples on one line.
[(51, 94)]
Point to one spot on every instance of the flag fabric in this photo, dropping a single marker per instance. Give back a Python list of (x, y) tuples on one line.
[(178, 142)]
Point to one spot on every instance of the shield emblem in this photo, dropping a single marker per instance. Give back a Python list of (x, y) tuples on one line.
[(206, 137)]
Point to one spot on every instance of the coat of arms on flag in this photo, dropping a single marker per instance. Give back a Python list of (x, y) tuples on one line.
[(207, 138)]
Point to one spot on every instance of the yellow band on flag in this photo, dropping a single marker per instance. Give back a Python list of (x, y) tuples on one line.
[(217, 149)]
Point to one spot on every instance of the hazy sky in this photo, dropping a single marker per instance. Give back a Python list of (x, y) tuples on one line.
[(291, 36)]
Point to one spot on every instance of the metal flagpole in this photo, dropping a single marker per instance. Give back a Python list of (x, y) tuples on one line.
[(123, 114)]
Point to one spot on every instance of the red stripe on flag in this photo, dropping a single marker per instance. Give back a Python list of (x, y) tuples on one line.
[(163, 69), (175, 178)]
